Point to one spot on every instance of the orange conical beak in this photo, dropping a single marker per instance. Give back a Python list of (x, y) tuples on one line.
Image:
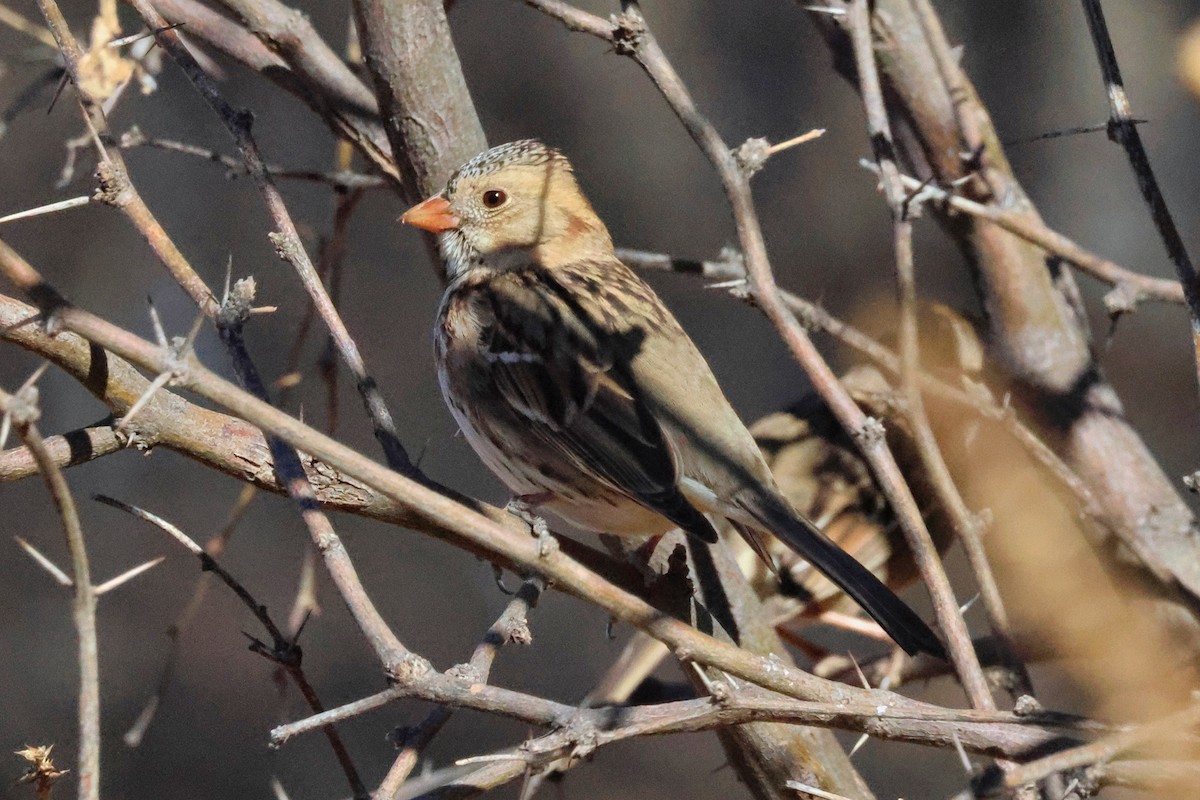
[(431, 215)]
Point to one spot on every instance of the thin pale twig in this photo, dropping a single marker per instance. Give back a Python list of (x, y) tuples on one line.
[(24, 411), (962, 653), (798, 140), (342, 179), (159, 382)]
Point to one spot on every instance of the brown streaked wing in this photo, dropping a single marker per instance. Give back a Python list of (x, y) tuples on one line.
[(562, 366)]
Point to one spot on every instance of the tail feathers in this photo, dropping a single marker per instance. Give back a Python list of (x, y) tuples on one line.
[(881, 603)]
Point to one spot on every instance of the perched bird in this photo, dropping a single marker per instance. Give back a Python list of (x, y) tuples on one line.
[(579, 389)]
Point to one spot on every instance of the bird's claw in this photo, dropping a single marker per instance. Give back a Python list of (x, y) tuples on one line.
[(522, 507)]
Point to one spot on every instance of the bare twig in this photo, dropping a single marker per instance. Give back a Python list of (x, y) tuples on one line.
[(288, 33), (283, 650), (925, 552), (340, 180), (213, 547), (350, 111), (1129, 288), (22, 409), (984, 732), (512, 626), (115, 188), (1123, 130), (66, 449), (286, 238)]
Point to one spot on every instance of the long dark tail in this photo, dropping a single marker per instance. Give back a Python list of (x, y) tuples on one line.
[(893, 614)]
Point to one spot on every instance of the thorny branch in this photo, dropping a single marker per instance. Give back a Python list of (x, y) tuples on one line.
[(961, 652), (1129, 288), (430, 510), (282, 650), (511, 627), (22, 410), (1123, 129), (286, 238)]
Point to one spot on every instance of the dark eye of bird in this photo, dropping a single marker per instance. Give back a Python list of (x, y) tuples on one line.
[(494, 198)]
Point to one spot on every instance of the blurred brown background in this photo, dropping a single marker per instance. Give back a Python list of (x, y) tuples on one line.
[(758, 68)]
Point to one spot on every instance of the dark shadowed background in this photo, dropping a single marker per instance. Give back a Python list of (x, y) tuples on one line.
[(757, 68)]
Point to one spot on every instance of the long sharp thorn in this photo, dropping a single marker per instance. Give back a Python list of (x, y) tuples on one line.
[(49, 208), (128, 575), (45, 563)]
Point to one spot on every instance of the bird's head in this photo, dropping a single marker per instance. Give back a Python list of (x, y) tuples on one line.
[(514, 205)]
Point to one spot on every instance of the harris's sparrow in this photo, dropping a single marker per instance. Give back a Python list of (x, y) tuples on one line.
[(578, 388)]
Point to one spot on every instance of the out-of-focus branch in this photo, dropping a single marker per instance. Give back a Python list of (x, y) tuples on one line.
[(351, 112), (23, 411), (1106, 749), (1036, 320)]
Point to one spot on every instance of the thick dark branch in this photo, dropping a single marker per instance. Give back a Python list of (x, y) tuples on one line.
[(1122, 128)]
